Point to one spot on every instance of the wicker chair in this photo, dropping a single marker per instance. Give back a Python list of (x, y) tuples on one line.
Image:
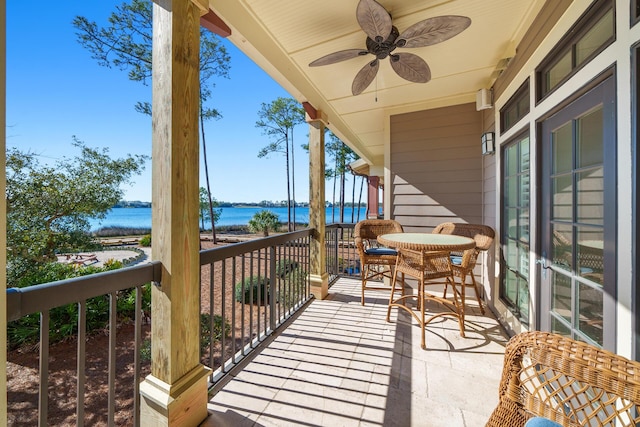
[(463, 264), (569, 382), (376, 262)]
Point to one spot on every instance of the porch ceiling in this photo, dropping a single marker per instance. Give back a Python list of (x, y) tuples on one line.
[(284, 36)]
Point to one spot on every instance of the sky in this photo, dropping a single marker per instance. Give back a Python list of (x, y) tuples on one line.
[(55, 91)]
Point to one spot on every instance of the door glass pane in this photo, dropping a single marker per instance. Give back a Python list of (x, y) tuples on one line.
[(511, 195), (524, 190), (512, 223), (590, 312), (562, 246), (590, 197), (524, 226), (511, 286), (559, 327), (561, 295), (512, 160), (590, 130), (562, 207), (562, 140), (595, 37), (524, 156), (523, 298), (590, 254), (523, 256), (512, 254)]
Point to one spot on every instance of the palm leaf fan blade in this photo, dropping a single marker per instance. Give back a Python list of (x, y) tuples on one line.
[(339, 56), (364, 77), (433, 30), (374, 20), (410, 67)]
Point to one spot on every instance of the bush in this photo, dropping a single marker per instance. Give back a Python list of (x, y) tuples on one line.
[(253, 289), (145, 240), (285, 266), (205, 335), (205, 329), (63, 320), (264, 221), (119, 231)]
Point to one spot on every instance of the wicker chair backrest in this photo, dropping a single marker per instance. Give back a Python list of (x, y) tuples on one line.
[(482, 234), (370, 229), (567, 381)]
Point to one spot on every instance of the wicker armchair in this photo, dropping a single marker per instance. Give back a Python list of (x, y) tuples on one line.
[(569, 382), (376, 262), (463, 264)]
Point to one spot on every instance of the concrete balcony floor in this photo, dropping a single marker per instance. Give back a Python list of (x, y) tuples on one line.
[(341, 364)]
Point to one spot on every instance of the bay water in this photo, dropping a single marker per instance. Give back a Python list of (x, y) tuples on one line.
[(141, 217)]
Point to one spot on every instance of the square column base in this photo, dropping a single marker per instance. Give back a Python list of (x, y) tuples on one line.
[(183, 403), (319, 285)]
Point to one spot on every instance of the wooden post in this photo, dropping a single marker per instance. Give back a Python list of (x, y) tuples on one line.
[(175, 393), (317, 213), (3, 214), (373, 199)]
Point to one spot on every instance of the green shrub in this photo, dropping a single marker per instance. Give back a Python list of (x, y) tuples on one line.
[(63, 320), (264, 221), (285, 266), (205, 329), (145, 350), (112, 264), (247, 290), (145, 240)]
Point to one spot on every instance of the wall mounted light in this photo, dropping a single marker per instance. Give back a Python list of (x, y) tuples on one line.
[(488, 143)]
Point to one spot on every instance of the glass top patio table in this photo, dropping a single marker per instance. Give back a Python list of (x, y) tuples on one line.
[(427, 241)]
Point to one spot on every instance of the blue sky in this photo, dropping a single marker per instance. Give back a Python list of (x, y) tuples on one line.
[(56, 90)]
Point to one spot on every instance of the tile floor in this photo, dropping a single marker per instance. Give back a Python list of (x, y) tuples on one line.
[(341, 364)]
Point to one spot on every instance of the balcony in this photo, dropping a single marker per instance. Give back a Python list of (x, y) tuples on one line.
[(341, 363), (284, 357)]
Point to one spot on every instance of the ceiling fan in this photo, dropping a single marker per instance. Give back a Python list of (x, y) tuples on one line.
[(383, 38)]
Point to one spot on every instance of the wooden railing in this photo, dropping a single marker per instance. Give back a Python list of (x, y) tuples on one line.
[(342, 256), (249, 291)]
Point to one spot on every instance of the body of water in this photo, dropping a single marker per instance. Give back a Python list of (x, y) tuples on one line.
[(141, 217)]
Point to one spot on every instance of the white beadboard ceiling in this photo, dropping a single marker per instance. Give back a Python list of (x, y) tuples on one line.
[(284, 36)]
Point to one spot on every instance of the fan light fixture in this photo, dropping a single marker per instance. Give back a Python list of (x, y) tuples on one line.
[(383, 38)]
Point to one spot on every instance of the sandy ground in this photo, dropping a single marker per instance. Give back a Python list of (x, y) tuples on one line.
[(97, 258)]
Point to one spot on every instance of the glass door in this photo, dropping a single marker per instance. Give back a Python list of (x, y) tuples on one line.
[(578, 226)]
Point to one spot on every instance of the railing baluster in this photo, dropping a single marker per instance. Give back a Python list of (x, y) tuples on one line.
[(82, 330), (136, 355), (43, 397), (223, 311), (268, 297), (272, 288), (233, 308), (112, 358), (213, 315), (251, 325), (242, 275)]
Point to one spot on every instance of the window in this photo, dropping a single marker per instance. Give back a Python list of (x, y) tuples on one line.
[(594, 31), (516, 108), (514, 286)]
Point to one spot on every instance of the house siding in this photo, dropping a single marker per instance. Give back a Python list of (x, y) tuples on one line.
[(436, 167)]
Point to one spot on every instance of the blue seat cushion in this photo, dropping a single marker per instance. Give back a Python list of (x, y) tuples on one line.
[(380, 251), (456, 260)]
